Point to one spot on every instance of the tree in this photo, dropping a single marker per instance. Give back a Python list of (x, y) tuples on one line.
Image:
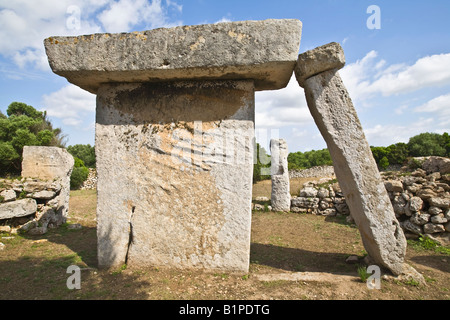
[(446, 142), (304, 160), (378, 153), (427, 144), (79, 174), (384, 163), (85, 152), (397, 153), (24, 126)]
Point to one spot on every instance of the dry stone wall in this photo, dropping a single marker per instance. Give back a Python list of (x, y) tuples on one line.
[(30, 206), (319, 171), (91, 180), (420, 199)]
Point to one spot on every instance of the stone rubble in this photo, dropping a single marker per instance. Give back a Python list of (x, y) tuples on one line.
[(28, 211), (91, 181), (40, 199), (420, 199)]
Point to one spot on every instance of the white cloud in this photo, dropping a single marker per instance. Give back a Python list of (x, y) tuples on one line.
[(439, 107), (384, 135), (25, 24), (71, 104), (400, 110), (123, 15), (426, 72), (368, 77), (280, 108), (224, 19)]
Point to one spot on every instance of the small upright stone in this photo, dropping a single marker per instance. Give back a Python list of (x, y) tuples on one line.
[(281, 196)]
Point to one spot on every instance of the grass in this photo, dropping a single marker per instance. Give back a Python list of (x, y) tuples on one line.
[(363, 274), (34, 267), (427, 244)]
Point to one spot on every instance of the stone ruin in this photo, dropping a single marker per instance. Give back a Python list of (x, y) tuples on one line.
[(174, 139), (40, 199)]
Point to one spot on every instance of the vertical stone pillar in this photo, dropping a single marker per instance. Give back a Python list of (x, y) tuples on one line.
[(281, 196), (174, 166), (175, 121), (356, 170)]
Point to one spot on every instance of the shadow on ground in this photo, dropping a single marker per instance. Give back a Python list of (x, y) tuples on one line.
[(35, 267), (298, 260)]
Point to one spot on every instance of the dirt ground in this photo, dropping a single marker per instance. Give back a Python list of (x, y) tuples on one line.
[(293, 257)]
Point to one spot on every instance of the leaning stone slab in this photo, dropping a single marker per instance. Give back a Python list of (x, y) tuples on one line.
[(265, 51), (18, 208), (355, 168), (327, 57), (281, 196)]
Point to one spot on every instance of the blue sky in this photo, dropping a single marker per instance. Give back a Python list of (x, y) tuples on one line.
[(398, 76)]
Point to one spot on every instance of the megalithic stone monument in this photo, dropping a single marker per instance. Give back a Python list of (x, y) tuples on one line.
[(281, 196), (355, 167), (174, 135)]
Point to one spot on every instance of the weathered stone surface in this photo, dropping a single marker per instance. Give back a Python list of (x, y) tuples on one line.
[(394, 186), (46, 163), (265, 51), (437, 164), (324, 58), (8, 195), (281, 196), (169, 192), (355, 168), (5, 229), (35, 185), (447, 227), (439, 202), (420, 218), (438, 218), (415, 204), (433, 228), (18, 208), (323, 193), (303, 202), (54, 165), (434, 210), (309, 192), (412, 227), (44, 194)]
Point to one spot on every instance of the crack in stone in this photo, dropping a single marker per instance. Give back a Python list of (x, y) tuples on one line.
[(130, 234)]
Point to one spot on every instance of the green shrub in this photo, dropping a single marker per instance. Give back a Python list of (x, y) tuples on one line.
[(79, 174)]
